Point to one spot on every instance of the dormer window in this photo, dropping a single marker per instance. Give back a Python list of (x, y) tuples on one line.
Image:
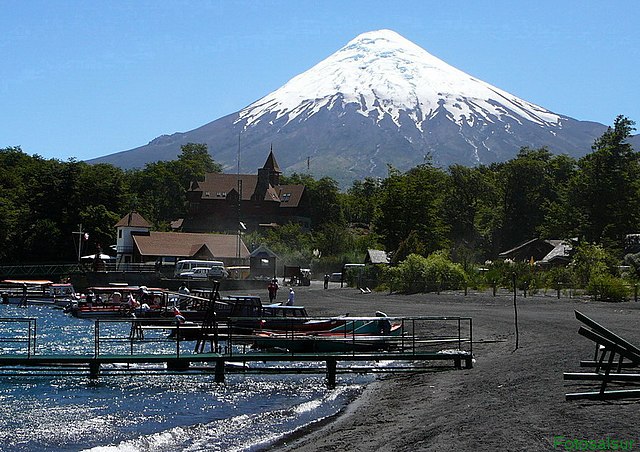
[(285, 197)]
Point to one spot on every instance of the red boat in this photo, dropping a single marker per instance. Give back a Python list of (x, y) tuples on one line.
[(120, 302), (352, 335)]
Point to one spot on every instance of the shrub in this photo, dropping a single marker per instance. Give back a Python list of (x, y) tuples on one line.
[(591, 261), (420, 274), (441, 273), (608, 288), (558, 277)]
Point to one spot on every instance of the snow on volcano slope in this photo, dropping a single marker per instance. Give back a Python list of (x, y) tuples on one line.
[(384, 74)]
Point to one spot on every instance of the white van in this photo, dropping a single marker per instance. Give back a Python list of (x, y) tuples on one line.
[(187, 265)]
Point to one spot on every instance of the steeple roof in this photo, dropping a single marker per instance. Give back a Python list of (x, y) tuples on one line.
[(271, 162)]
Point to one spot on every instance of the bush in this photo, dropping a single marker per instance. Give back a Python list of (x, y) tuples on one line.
[(408, 276), (441, 273), (608, 288), (558, 277), (591, 261), (420, 274)]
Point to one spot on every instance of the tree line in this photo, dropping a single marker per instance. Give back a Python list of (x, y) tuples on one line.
[(43, 201), (471, 212)]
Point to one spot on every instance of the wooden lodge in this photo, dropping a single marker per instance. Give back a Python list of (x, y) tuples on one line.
[(233, 202)]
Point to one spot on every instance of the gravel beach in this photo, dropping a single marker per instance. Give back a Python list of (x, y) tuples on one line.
[(511, 399)]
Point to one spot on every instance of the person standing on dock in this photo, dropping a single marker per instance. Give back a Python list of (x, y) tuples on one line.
[(23, 300), (184, 292), (292, 297), (272, 291)]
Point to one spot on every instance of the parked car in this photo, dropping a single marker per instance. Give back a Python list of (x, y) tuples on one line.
[(196, 273), (217, 272), (336, 277)]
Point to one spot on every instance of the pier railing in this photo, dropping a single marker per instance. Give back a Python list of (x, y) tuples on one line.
[(235, 336), (410, 344), (18, 335)]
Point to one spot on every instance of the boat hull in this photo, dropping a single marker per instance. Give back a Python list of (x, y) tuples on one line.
[(367, 337)]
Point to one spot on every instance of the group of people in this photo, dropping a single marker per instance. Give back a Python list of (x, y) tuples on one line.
[(143, 301), (273, 292)]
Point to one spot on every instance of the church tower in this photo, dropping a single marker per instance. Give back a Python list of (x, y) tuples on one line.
[(268, 175)]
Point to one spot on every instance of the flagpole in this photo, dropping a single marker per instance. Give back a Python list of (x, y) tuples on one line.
[(79, 232)]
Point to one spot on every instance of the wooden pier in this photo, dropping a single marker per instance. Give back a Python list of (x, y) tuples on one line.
[(138, 347)]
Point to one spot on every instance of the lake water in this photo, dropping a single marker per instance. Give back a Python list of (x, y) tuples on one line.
[(152, 413)]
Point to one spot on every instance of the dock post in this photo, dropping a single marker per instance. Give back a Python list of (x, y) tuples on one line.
[(331, 372), (178, 364), (94, 370), (220, 371), (468, 362)]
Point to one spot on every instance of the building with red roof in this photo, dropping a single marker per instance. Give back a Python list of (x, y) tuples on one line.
[(232, 202)]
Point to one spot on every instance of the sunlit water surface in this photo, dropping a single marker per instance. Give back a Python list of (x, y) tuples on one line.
[(152, 413)]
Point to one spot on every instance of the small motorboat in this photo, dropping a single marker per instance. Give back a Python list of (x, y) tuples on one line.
[(353, 335), (36, 291), (115, 302)]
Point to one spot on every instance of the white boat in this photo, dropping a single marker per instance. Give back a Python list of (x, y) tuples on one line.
[(36, 291)]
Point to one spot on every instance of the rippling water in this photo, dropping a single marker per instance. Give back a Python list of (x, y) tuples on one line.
[(152, 413)]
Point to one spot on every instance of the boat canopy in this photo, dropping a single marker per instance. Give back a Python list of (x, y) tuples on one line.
[(29, 282)]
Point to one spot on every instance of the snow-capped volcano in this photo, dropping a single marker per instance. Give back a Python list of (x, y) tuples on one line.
[(380, 100), (383, 73)]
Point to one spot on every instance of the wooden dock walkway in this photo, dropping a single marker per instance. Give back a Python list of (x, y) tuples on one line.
[(140, 348)]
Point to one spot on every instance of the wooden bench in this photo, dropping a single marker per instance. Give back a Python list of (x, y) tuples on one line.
[(613, 357)]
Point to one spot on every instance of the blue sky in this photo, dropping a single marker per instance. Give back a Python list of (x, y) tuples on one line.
[(89, 78)]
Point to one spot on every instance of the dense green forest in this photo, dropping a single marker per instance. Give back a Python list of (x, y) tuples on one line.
[(472, 213)]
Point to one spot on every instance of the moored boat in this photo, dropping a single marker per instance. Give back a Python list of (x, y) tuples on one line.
[(243, 315), (121, 302), (353, 335), (36, 291)]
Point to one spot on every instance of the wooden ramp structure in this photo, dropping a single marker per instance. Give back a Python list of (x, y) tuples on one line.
[(139, 347), (615, 365)]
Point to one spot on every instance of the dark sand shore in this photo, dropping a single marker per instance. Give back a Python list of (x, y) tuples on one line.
[(510, 400)]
